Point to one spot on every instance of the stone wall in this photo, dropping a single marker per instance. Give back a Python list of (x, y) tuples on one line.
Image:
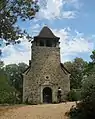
[(45, 71)]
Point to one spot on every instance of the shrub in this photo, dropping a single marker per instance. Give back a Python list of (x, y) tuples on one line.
[(74, 95), (86, 108), (6, 91)]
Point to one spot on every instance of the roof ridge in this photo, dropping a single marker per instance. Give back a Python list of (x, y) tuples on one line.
[(62, 65), (46, 32)]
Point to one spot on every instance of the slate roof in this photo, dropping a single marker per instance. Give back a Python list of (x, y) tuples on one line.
[(27, 70), (64, 68), (46, 33)]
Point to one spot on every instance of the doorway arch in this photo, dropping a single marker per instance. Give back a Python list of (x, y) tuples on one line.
[(47, 95)]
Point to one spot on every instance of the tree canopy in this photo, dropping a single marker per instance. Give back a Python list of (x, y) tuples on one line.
[(14, 74), (90, 69), (86, 108), (11, 82), (6, 91), (76, 68), (10, 12)]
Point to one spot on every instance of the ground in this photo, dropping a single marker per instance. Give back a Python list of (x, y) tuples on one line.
[(45, 111)]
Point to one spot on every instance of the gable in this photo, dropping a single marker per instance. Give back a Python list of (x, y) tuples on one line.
[(27, 70), (64, 69)]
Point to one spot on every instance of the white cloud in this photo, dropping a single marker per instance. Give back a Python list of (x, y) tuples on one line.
[(73, 45), (75, 3), (69, 14), (77, 45), (52, 9), (17, 53), (36, 26)]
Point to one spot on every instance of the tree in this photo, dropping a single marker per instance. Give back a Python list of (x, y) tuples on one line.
[(6, 91), (1, 64), (91, 65), (92, 56), (76, 69), (14, 74), (0, 51), (10, 12), (86, 108)]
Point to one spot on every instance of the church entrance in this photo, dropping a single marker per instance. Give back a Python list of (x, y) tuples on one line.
[(47, 95)]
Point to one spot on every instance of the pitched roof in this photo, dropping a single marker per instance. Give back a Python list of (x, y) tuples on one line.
[(46, 33), (27, 70), (64, 68)]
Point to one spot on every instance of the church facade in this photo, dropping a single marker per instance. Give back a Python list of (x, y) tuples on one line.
[(45, 73)]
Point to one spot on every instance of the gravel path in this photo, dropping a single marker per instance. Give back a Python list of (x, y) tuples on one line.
[(46, 111)]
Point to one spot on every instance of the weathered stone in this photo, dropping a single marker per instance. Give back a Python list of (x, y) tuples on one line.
[(45, 71)]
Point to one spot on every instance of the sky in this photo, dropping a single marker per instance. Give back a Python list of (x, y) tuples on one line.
[(71, 20)]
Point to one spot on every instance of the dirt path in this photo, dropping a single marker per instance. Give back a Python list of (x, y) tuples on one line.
[(46, 111)]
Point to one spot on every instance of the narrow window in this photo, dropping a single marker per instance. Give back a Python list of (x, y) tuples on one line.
[(41, 43), (48, 43)]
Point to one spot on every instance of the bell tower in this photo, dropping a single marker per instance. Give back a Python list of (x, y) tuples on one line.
[(45, 73), (44, 44), (46, 39)]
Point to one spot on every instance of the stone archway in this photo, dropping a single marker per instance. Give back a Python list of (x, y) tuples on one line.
[(47, 95)]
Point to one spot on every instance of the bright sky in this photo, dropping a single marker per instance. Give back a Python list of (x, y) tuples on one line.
[(71, 20)]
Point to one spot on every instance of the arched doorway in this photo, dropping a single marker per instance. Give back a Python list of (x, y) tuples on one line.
[(47, 95)]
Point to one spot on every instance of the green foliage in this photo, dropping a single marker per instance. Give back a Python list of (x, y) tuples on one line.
[(74, 113), (92, 56), (86, 108), (14, 74), (76, 68), (6, 91), (10, 12), (11, 83), (91, 66), (1, 64), (88, 87), (74, 95)]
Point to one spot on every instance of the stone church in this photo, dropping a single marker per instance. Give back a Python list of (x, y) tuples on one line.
[(45, 73)]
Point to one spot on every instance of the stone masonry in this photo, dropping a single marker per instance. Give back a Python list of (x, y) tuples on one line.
[(45, 71)]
